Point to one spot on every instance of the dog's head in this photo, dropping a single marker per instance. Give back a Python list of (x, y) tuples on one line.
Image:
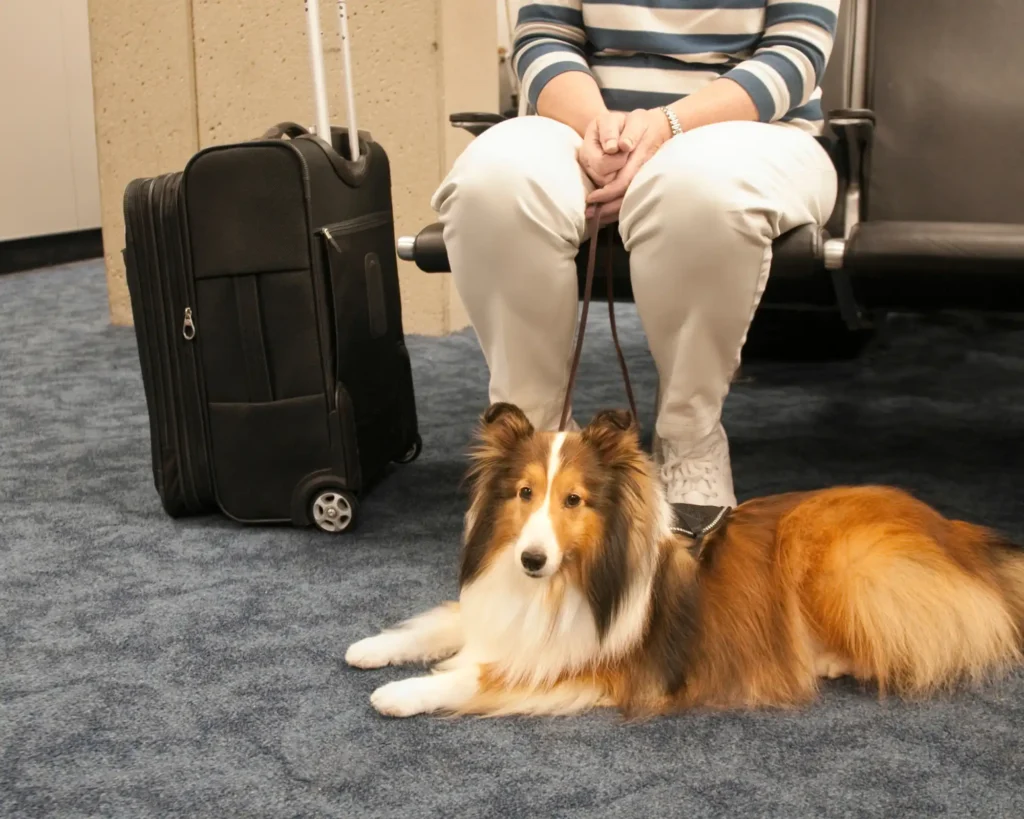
[(558, 504)]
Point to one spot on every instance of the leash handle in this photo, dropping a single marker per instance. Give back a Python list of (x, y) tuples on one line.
[(588, 286)]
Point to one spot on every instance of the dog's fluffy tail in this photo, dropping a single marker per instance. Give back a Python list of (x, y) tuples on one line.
[(1008, 560), (923, 608)]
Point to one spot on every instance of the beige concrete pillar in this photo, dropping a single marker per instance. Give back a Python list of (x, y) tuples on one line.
[(144, 94), (221, 71), (464, 44)]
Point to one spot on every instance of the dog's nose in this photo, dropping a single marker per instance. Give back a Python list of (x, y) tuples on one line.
[(533, 561)]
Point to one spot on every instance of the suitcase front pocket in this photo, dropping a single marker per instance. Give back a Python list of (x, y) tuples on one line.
[(263, 451), (258, 336), (362, 290), (356, 261)]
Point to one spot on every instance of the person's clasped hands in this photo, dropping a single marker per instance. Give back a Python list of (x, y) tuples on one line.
[(615, 146)]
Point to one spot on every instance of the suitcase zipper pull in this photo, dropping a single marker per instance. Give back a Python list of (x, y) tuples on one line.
[(329, 238), (188, 329)]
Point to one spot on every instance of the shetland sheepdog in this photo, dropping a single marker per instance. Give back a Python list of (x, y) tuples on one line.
[(575, 592)]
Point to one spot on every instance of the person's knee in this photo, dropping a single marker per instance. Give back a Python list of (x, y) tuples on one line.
[(511, 166), (697, 191)]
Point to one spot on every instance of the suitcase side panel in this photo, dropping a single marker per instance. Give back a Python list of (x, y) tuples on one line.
[(157, 306), (144, 323), (193, 409)]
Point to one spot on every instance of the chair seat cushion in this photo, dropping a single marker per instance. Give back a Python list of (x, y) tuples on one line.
[(937, 265), (797, 276)]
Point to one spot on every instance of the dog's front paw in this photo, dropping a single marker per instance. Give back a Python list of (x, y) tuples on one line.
[(404, 698), (372, 652)]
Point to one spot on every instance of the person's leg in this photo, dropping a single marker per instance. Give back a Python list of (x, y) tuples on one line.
[(513, 210), (698, 221)]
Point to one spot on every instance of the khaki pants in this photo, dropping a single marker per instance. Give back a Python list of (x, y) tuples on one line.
[(698, 221)]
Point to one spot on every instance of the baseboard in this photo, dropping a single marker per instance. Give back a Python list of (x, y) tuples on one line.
[(46, 251)]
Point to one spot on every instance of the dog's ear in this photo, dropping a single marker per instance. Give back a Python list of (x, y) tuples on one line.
[(614, 434), (616, 419), (504, 425)]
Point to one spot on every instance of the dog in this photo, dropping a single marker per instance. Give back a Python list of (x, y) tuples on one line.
[(575, 592)]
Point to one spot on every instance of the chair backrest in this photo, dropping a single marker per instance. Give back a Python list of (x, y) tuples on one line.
[(946, 83)]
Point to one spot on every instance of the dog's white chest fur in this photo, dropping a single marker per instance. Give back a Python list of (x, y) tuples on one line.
[(535, 631)]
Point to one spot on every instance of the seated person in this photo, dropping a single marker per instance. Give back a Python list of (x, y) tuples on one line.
[(692, 125)]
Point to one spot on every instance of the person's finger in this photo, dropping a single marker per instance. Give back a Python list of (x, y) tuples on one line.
[(609, 212), (609, 164), (590, 148), (614, 189), (614, 161), (599, 166), (609, 126), (617, 187), (594, 169), (633, 129)]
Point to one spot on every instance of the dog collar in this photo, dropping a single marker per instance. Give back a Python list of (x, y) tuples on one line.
[(697, 522)]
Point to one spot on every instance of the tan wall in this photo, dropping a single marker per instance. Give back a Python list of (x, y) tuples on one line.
[(174, 76), (48, 140)]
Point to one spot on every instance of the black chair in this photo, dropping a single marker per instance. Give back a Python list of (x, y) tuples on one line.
[(924, 126), (935, 211)]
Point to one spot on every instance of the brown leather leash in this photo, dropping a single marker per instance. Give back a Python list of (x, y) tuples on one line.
[(695, 522), (595, 230)]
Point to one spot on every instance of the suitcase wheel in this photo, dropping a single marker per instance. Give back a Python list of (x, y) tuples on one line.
[(334, 510), (413, 453)]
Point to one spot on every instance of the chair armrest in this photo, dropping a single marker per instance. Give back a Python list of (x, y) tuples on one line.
[(426, 249), (852, 113), (476, 122), (854, 129)]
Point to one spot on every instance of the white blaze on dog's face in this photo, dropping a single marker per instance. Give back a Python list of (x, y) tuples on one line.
[(537, 549)]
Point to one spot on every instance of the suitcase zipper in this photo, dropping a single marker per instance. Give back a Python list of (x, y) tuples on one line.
[(162, 305), (188, 327), (169, 278), (175, 279), (370, 220), (192, 422)]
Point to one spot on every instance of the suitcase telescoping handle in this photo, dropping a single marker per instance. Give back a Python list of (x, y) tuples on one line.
[(316, 58), (350, 93)]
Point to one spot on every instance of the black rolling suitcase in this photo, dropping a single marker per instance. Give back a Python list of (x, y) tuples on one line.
[(267, 312)]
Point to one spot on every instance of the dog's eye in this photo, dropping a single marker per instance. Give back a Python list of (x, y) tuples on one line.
[(573, 500), (526, 493)]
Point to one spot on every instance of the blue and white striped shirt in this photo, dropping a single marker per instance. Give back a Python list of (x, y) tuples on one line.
[(647, 53)]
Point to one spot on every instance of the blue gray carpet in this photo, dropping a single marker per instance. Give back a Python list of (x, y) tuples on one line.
[(152, 668)]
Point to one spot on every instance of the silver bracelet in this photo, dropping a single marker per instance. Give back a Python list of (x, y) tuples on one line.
[(673, 120)]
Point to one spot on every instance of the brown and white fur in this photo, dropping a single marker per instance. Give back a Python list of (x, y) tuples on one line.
[(864, 581)]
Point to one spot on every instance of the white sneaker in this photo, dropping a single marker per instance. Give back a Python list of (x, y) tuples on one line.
[(698, 473)]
